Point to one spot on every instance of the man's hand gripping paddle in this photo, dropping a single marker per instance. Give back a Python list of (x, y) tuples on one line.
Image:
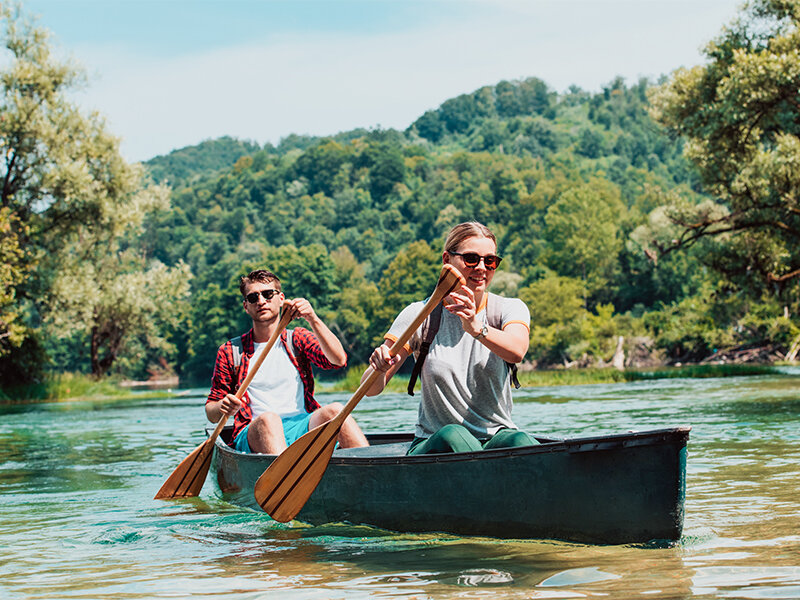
[(188, 478)]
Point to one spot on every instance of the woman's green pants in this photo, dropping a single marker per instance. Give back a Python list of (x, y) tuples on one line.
[(456, 438)]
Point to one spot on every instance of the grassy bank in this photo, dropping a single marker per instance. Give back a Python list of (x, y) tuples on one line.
[(352, 379), (611, 375), (69, 386), (66, 386), (399, 383)]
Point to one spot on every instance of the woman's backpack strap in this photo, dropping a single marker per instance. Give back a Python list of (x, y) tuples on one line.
[(429, 328), (494, 317)]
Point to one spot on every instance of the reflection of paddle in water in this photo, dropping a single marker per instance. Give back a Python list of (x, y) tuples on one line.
[(477, 577), (577, 576)]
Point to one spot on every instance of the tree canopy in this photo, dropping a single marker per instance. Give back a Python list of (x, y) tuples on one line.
[(740, 115), (70, 209), (662, 213), (356, 222)]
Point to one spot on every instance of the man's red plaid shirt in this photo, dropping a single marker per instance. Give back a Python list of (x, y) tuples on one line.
[(305, 351)]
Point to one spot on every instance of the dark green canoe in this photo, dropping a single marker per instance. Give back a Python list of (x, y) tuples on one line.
[(611, 489)]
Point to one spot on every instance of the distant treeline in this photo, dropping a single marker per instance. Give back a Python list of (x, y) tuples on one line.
[(355, 222), (655, 218)]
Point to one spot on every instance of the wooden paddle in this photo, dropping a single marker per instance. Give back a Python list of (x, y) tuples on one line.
[(187, 480), (283, 489)]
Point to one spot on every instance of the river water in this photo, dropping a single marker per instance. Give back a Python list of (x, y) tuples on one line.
[(77, 518)]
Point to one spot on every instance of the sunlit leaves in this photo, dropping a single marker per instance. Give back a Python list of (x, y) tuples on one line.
[(77, 207), (741, 116), (582, 230), (13, 271)]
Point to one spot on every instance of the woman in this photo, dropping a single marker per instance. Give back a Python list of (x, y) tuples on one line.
[(466, 392)]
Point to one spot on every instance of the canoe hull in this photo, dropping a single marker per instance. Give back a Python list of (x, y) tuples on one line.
[(615, 489)]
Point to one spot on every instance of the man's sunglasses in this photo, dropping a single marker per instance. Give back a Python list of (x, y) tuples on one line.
[(471, 259), (252, 297)]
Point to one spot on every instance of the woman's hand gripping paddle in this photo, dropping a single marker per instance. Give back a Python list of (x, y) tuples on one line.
[(187, 480), (283, 489)]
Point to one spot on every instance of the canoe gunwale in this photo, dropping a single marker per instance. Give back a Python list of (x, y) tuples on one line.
[(674, 435)]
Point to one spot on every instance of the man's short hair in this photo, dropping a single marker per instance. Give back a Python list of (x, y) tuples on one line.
[(260, 275)]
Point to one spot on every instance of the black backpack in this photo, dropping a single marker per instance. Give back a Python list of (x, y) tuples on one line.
[(431, 325)]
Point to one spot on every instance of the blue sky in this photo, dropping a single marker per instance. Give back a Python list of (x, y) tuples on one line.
[(171, 73)]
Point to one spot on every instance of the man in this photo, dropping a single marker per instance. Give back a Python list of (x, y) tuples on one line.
[(278, 406)]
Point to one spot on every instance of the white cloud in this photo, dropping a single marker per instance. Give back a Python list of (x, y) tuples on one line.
[(324, 84)]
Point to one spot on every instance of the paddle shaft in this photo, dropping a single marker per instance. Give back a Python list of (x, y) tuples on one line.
[(443, 287), (286, 317), (188, 478), (284, 487), (323, 441)]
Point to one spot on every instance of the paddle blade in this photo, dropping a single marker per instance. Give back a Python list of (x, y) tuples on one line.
[(283, 489), (188, 478)]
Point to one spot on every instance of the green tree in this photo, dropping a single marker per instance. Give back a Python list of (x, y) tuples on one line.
[(216, 316), (181, 167), (305, 272), (740, 116), (356, 304), (106, 291), (59, 166), (387, 169), (411, 276), (430, 126), (582, 228), (591, 143), (557, 316), (321, 165), (13, 271), (68, 196), (690, 329)]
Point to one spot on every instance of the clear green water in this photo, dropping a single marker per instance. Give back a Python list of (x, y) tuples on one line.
[(77, 518)]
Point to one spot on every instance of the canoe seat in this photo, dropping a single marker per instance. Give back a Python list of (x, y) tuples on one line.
[(395, 449)]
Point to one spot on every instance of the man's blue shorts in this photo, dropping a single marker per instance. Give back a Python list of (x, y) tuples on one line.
[(293, 428)]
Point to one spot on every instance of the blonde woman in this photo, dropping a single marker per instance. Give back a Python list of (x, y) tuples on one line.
[(466, 391)]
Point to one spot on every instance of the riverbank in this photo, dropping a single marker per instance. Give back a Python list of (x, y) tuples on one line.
[(69, 386), (583, 376), (64, 387)]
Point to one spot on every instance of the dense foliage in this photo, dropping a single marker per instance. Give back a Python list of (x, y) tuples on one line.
[(740, 114), (77, 288), (590, 198), (180, 167), (356, 223)]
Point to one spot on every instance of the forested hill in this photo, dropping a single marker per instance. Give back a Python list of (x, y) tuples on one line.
[(523, 118), (181, 167), (527, 119), (607, 233), (355, 222), (210, 158)]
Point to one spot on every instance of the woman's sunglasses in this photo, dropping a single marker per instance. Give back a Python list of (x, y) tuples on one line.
[(252, 297), (471, 259)]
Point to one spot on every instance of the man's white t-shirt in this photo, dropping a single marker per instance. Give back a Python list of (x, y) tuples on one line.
[(277, 386)]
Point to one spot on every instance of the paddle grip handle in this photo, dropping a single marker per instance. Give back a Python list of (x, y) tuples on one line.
[(449, 279)]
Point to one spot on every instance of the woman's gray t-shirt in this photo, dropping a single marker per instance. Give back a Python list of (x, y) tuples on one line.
[(462, 380)]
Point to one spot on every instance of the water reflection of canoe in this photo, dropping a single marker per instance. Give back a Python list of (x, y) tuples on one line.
[(611, 489)]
